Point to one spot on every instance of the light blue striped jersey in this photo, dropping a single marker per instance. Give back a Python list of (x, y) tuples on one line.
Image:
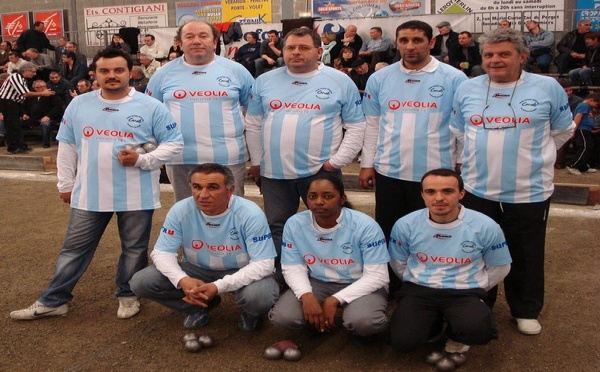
[(451, 255), (338, 256), (205, 101), (224, 242), (100, 129), (414, 115), (511, 165), (302, 119)]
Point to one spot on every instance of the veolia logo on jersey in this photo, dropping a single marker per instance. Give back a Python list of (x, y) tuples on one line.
[(277, 104), (107, 134), (181, 93), (88, 132), (395, 104), (497, 120), (309, 259), (424, 257)]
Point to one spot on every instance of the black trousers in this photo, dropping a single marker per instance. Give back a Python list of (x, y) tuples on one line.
[(14, 133), (584, 148), (420, 310), (395, 198), (524, 227)]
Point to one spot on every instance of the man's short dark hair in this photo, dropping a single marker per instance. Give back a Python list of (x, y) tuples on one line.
[(208, 168), (14, 54), (71, 55), (213, 28), (37, 23), (378, 29), (271, 32), (416, 25), (443, 172), (466, 33), (254, 34), (150, 36), (112, 53), (303, 32)]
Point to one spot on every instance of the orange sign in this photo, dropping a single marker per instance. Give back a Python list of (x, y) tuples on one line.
[(13, 24), (53, 22)]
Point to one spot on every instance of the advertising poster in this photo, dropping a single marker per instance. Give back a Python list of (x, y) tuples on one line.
[(53, 22), (246, 11), (368, 8), (13, 24), (203, 10), (591, 11)]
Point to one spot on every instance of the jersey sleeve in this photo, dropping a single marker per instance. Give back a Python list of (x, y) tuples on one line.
[(372, 244), (290, 255), (352, 112), (495, 251), (370, 103), (259, 242), (154, 87), (255, 100), (65, 131), (399, 244), (560, 114), (170, 238), (457, 121), (165, 129), (246, 82)]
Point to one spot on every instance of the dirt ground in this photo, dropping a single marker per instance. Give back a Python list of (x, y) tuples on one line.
[(92, 338)]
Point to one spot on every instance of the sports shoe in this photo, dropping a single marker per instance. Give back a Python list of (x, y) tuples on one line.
[(574, 171), (128, 307), (528, 326), (39, 310), (201, 318), (591, 170), (250, 323)]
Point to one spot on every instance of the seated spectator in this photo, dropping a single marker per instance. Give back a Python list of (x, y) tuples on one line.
[(176, 47), (504, 23), (334, 257), (540, 43), (361, 71), (380, 65), (83, 86), (138, 80), (582, 139), (43, 111), (42, 61), (72, 69), (61, 87), (151, 47), (572, 48), (148, 64), (377, 48), (271, 53), (95, 85), (574, 100), (5, 48), (447, 257), (174, 55), (446, 40), (118, 43), (351, 39), (344, 61), (212, 218), (80, 57), (465, 55), (329, 46), (248, 53), (60, 49), (591, 66), (14, 62)]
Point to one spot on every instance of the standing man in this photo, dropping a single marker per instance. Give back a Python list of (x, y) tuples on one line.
[(151, 47), (407, 106), (204, 92), (13, 93), (571, 47), (540, 43), (511, 123), (271, 53), (444, 41), (295, 124), (100, 176), (227, 247), (34, 38)]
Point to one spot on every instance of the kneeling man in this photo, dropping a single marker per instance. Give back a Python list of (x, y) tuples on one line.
[(227, 247)]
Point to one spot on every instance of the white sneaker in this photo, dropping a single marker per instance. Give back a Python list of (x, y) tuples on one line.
[(128, 307), (591, 170), (39, 310), (574, 171), (528, 326)]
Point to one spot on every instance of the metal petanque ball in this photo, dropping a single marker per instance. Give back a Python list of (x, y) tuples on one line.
[(445, 365), (149, 146), (458, 358), (139, 150), (189, 336), (434, 357), (272, 352), (206, 341), (192, 346), (292, 354)]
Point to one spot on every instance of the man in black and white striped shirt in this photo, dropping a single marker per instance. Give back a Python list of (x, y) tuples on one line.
[(12, 95)]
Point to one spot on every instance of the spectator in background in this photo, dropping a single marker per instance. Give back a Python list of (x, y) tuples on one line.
[(572, 48), (574, 100), (61, 48), (61, 87), (540, 43), (148, 64), (138, 80), (174, 55), (80, 57), (582, 138), (344, 61), (351, 39), (3, 77), (271, 53), (45, 111), (151, 47), (376, 48), (249, 52), (591, 65), (361, 71), (83, 86), (504, 23), (118, 43), (380, 65), (444, 41), (34, 38), (14, 62), (73, 70), (42, 61), (329, 48), (5, 48), (176, 47), (465, 55), (95, 85)]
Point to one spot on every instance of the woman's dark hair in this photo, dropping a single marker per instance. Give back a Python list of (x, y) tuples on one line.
[(337, 183)]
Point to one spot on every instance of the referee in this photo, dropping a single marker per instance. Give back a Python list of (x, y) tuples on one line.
[(12, 95)]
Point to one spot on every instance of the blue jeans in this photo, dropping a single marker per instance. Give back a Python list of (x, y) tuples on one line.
[(255, 299), (543, 61), (83, 235), (581, 76)]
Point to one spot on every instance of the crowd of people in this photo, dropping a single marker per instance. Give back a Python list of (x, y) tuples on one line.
[(462, 171)]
